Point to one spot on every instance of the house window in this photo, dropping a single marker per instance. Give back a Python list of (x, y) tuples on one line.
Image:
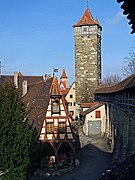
[(62, 127), (71, 96), (70, 103), (55, 107), (85, 29), (74, 103), (98, 114), (49, 127)]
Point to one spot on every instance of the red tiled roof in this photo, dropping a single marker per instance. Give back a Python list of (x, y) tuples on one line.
[(87, 19), (87, 105), (97, 22), (92, 108), (63, 74), (121, 86)]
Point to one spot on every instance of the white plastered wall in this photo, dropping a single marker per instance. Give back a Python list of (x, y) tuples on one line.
[(91, 117)]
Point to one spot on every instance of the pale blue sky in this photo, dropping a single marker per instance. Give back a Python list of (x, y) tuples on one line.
[(37, 35)]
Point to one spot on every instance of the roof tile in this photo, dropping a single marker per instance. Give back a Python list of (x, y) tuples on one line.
[(92, 108), (63, 74), (123, 85), (37, 100), (87, 19)]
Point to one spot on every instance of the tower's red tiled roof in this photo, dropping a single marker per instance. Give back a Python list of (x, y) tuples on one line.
[(63, 74), (87, 19), (97, 22)]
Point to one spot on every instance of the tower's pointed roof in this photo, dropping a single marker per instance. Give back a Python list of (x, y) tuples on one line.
[(63, 74), (97, 22), (87, 19)]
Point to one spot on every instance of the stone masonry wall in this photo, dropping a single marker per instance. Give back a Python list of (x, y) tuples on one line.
[(124, 135), (87, 61)]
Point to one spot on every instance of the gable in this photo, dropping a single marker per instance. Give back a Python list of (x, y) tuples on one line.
[(71, 92), (56, 124), (97, 113)]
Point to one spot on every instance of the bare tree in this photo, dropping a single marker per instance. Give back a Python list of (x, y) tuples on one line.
[(129, 66), (111, 79)]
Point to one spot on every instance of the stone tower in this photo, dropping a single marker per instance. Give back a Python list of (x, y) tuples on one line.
[(87, 37)]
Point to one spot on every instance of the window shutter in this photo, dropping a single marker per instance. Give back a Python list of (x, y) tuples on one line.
[(98, 114)]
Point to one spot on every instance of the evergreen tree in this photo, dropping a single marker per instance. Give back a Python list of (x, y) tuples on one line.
[(15, 135), (39, 152)]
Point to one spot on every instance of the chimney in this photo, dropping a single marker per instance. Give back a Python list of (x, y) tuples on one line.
[(47, 76), (24, 87), (16, 79)]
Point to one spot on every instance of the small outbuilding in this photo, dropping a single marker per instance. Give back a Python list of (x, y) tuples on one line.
[(94, 119)]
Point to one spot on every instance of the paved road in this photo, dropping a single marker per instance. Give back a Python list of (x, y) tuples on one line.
[(95, 159)]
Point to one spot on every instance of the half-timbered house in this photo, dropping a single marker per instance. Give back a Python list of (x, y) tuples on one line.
[(49, 115)]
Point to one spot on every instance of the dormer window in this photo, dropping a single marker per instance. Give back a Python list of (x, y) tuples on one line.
[(55, 107)]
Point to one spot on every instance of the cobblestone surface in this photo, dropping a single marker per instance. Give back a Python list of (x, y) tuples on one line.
[(95, 158)]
